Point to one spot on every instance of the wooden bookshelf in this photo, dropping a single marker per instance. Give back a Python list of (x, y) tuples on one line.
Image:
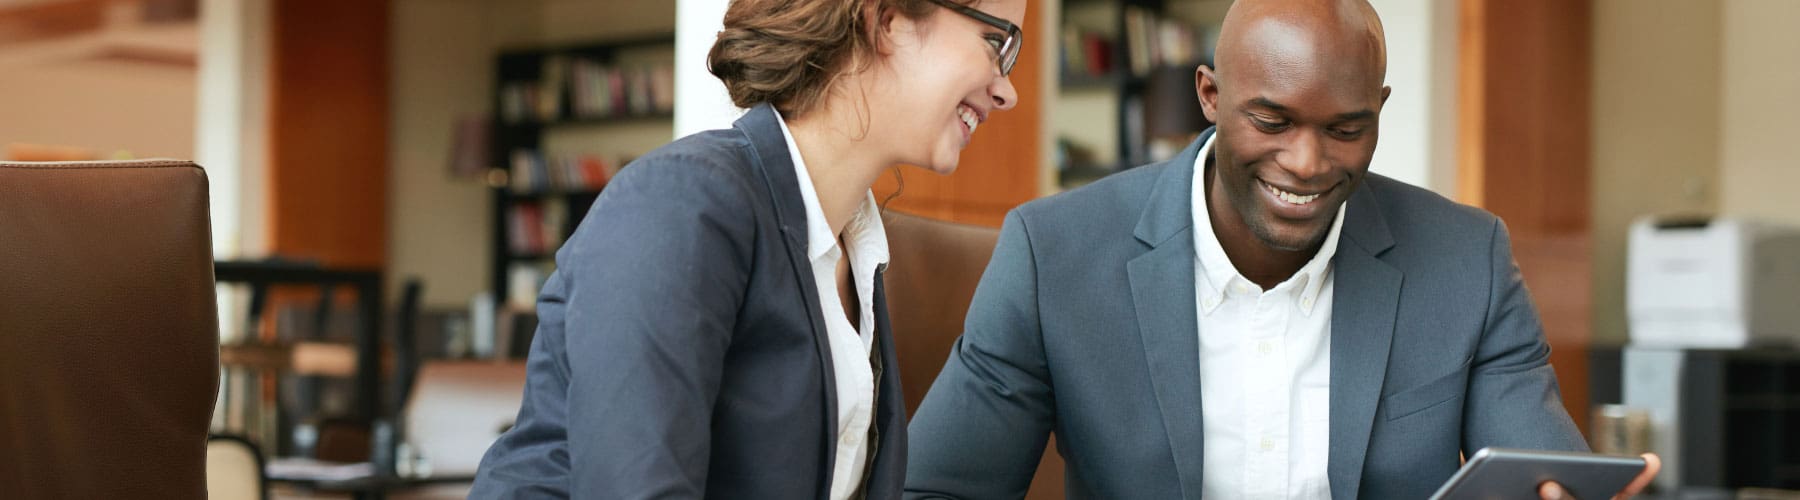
[(539, 197)]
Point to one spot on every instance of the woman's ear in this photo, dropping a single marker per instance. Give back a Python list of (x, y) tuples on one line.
[(888, 29)]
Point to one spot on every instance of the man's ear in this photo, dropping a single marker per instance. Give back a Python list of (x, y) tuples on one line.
[(1206, 87), (1385, 91)]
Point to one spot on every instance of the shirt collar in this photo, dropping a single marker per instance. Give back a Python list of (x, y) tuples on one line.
[(865, 234), (1216, 268)]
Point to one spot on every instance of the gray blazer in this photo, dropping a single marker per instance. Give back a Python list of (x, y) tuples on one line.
[(1084, 324), (681, 350)]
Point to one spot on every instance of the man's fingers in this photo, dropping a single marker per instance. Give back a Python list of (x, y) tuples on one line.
[(1551, 491), (1652, 463)]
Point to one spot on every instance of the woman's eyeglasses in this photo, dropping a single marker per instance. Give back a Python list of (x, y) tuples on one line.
[(1006, 48)]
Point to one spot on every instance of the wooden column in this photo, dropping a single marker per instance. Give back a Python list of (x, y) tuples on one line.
[(1524, 141), (328, 138)]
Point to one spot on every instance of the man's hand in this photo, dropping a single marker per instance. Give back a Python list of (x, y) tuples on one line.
[(1552, 491)]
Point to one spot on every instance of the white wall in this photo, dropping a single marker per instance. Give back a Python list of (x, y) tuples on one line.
[(1759, 156), (1418, 123), (231, 121), (701, 102)]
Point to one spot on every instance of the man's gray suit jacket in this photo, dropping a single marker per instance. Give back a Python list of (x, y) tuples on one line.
[(1084, 325), (681, 350)]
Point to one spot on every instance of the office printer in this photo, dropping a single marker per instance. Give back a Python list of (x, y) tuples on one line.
[(1712, 283)]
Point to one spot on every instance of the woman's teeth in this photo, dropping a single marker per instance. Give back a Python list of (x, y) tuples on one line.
[(969, 117), (1291, 197)]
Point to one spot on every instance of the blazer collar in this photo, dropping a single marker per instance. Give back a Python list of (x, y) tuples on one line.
[(1169, 210), (1364, 225)]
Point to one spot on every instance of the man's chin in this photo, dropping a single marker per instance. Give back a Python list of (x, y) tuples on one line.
[(1289, 238)]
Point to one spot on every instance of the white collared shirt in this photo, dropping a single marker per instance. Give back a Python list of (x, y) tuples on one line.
[(850, 345), (1265, 368)]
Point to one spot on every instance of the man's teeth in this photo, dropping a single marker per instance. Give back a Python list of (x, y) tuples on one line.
[(969, 118), (1291, 197)]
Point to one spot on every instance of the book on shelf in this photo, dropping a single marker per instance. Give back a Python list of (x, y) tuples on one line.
[(606, 90), (1153, 41), (584, 88), (536, 227), (531, 172), (1085, 53)]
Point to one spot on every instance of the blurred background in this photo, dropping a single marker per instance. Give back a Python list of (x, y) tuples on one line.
[(389, 179)]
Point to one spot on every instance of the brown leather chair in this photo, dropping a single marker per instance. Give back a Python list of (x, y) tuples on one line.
[(933, 267), (108, 330)]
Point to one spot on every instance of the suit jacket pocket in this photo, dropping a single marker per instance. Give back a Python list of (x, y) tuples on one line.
[(1442, 390)]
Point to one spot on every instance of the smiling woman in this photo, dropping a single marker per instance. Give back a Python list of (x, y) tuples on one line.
[(717, 327)]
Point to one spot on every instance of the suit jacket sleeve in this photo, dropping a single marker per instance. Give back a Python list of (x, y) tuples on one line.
[(982, 428), (1513, 400), (634, 327)]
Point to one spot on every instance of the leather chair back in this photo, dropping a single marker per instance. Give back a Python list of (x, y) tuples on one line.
[(933, 267), (108, 330)]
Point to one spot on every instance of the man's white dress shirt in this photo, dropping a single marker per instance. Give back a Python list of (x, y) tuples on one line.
[(1265, 368)]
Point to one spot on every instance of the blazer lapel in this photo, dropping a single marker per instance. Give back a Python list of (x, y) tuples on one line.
[(770, 157), (886, 469), (1365, 301), (1162, 291)]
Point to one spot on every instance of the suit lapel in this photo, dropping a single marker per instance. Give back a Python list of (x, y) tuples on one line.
[(1162, 292), (770, 157), (1365, 301)]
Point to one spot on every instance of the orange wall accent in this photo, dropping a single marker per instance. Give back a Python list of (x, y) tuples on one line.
[(1525, 129), (328, 138), (1002, 164)]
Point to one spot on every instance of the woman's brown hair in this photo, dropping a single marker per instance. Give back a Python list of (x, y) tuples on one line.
[(789, 52)]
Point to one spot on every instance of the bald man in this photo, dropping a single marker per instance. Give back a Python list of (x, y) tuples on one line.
[(1260, 317)]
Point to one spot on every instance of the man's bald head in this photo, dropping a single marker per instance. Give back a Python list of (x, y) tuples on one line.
[(1296, 90), (1291, 34)]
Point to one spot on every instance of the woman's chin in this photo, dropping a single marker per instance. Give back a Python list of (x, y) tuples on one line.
[(943, 167)]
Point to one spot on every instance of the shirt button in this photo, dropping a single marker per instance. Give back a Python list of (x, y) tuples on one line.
[(1211, 302), (1268, 444), (1264, 347), (1306, 303)]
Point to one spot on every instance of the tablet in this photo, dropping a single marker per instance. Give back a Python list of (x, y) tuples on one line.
[(1504, 474)]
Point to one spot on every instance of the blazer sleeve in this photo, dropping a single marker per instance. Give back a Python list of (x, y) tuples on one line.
[(983, 425), (634, 327), (1513, 400)]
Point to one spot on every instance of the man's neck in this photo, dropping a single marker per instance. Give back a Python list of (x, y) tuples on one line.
[(1254, 259)]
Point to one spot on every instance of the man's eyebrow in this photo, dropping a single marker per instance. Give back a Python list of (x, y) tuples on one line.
[(1265, 102), (1342, 117)]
